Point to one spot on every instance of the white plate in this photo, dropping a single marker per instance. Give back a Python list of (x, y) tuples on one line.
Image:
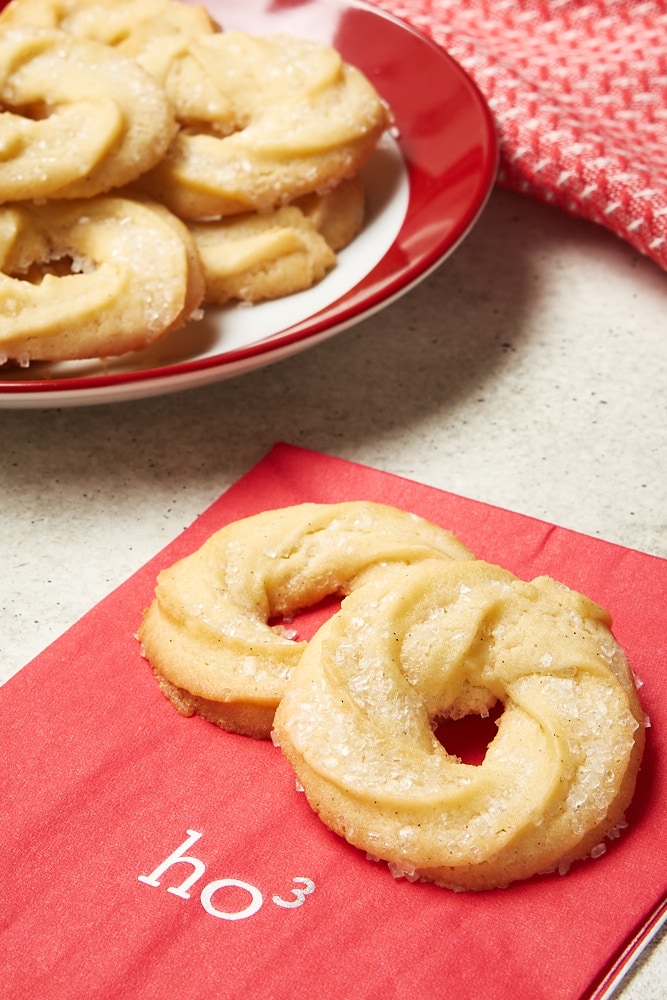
[(426, 185)]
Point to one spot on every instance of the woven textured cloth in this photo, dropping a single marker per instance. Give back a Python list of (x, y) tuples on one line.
[(578, 91)]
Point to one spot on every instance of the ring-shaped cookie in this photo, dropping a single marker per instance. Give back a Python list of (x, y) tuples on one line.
[(265, 255), (209, 635), (434, 639), (300, 120), (78, 118), (92, 278), (156, 33)]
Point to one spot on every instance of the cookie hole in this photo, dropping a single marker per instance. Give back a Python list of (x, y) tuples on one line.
[(305, 622), (469, 738), (219, 127), (35, 110), (59, 267)]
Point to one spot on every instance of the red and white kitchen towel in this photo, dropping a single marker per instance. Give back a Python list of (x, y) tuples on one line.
[(578, 91), (146, 856)]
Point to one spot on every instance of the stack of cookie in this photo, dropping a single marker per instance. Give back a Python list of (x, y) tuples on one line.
[(154, 163)]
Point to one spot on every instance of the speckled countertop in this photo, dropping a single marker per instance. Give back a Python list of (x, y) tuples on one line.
[(529, 371)]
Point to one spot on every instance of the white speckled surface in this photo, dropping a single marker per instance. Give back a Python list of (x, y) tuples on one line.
[(530, 372)]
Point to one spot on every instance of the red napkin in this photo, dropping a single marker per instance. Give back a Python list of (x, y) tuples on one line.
[(579, 95), (102, 782)]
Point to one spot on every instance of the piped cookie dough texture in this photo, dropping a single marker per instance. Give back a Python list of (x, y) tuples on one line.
[(78, 118), (437, 640), (209, 634), (80, 293), (299, 120)]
